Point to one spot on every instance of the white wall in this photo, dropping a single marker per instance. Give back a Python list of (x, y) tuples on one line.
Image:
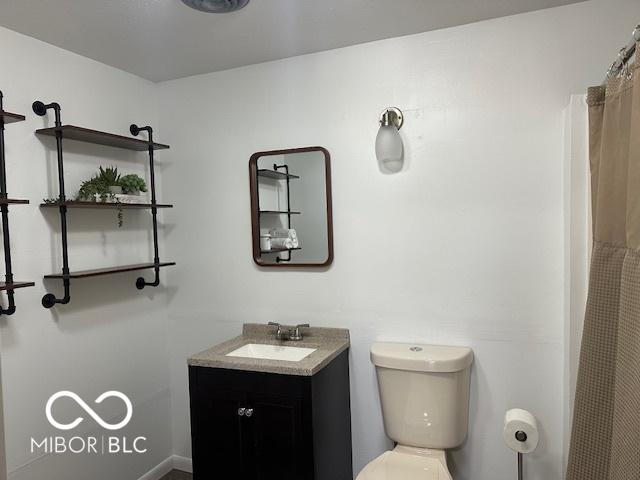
[(111, 336), (478, 208)]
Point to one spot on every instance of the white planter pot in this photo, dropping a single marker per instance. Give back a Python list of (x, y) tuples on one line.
[(124, 198)]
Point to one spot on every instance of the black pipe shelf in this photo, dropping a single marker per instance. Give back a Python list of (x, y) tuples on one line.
[(72, 132), (97, 272), (11, 117), (9, 285), (273, 174), (4, 286), (280, 250), (107, 205), (86, 135), (279, 172), (278, 212)]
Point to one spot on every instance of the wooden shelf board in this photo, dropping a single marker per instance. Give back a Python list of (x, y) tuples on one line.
[(13, 201), (81, 134), (12, 286), (109, 270), (277, 212), (275, 175), (78, 204), (279, 250), (11, 117)]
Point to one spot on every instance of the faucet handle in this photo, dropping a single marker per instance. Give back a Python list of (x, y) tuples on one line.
[(278, 329), (296, 334)]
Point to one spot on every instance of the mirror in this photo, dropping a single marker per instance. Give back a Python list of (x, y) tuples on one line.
[(291, 207)]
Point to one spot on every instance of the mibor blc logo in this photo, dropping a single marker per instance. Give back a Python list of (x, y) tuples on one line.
[(94, 445), (89, 410)]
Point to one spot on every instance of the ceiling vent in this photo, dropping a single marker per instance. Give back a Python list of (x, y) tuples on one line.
[(216, 6)]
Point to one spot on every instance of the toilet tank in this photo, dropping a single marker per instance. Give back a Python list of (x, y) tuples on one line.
[(424, 393)]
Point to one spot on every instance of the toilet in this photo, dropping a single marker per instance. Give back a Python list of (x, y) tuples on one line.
[(424, 395)]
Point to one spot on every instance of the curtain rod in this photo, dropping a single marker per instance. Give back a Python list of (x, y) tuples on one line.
[(624, 55)]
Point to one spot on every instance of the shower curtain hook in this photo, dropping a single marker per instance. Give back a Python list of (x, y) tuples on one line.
[(620, 66)]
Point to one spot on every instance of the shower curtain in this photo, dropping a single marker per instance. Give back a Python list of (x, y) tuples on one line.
[(605, 438)]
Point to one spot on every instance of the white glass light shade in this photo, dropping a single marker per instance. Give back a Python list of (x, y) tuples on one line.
[(389, 149)]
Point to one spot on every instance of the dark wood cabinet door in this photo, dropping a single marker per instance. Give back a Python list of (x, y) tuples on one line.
[(219, 449), (291, 428), (278, 438)]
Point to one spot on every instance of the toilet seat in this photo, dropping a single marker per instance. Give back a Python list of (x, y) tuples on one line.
[(399, 464)]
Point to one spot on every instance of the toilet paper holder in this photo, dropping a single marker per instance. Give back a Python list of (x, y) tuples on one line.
[(520, 434), (521, 437)]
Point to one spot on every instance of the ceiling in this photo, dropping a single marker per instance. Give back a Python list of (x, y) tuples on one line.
[(163, 39)]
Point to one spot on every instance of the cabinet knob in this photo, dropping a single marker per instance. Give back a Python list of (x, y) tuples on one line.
[(248, 412), (241, 411)]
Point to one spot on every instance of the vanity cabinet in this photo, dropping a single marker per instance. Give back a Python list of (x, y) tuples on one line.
[(267, 426)]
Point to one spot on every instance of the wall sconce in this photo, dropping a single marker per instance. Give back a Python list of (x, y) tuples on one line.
[(389, 147)]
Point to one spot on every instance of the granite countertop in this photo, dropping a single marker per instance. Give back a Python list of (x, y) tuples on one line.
[(328, 342)]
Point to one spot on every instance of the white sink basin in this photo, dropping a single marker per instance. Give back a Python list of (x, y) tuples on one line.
[(271, 352)]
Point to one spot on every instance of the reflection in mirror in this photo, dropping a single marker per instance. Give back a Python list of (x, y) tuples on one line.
[(291, 207)]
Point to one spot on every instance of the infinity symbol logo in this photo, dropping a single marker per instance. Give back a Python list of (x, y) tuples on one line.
[(89, 410)]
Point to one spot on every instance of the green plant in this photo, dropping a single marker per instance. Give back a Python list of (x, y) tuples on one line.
[(109, 176), (132, 183), (99, 185), (95, 186)]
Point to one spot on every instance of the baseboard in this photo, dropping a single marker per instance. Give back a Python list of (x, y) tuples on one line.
[(156, 473), (174, 462), (183, 464)]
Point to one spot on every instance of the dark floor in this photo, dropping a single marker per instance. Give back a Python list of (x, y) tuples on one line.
[(177, 475)]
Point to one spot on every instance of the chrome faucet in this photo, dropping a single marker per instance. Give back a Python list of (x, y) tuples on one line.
[(284, 332)]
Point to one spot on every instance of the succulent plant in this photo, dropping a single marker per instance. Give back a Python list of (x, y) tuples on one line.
[(109, 176), (132, 184)]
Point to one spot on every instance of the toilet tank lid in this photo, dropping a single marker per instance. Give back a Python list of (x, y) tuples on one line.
[(421, 358)]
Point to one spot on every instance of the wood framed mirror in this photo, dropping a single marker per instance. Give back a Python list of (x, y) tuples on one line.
[(291, 212)]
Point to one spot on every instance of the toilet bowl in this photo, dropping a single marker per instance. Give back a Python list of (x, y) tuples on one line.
[(407, 463), (424, 395)]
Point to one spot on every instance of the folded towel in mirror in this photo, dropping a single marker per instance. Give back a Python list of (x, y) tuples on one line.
[(281, 243), (284, 233)]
